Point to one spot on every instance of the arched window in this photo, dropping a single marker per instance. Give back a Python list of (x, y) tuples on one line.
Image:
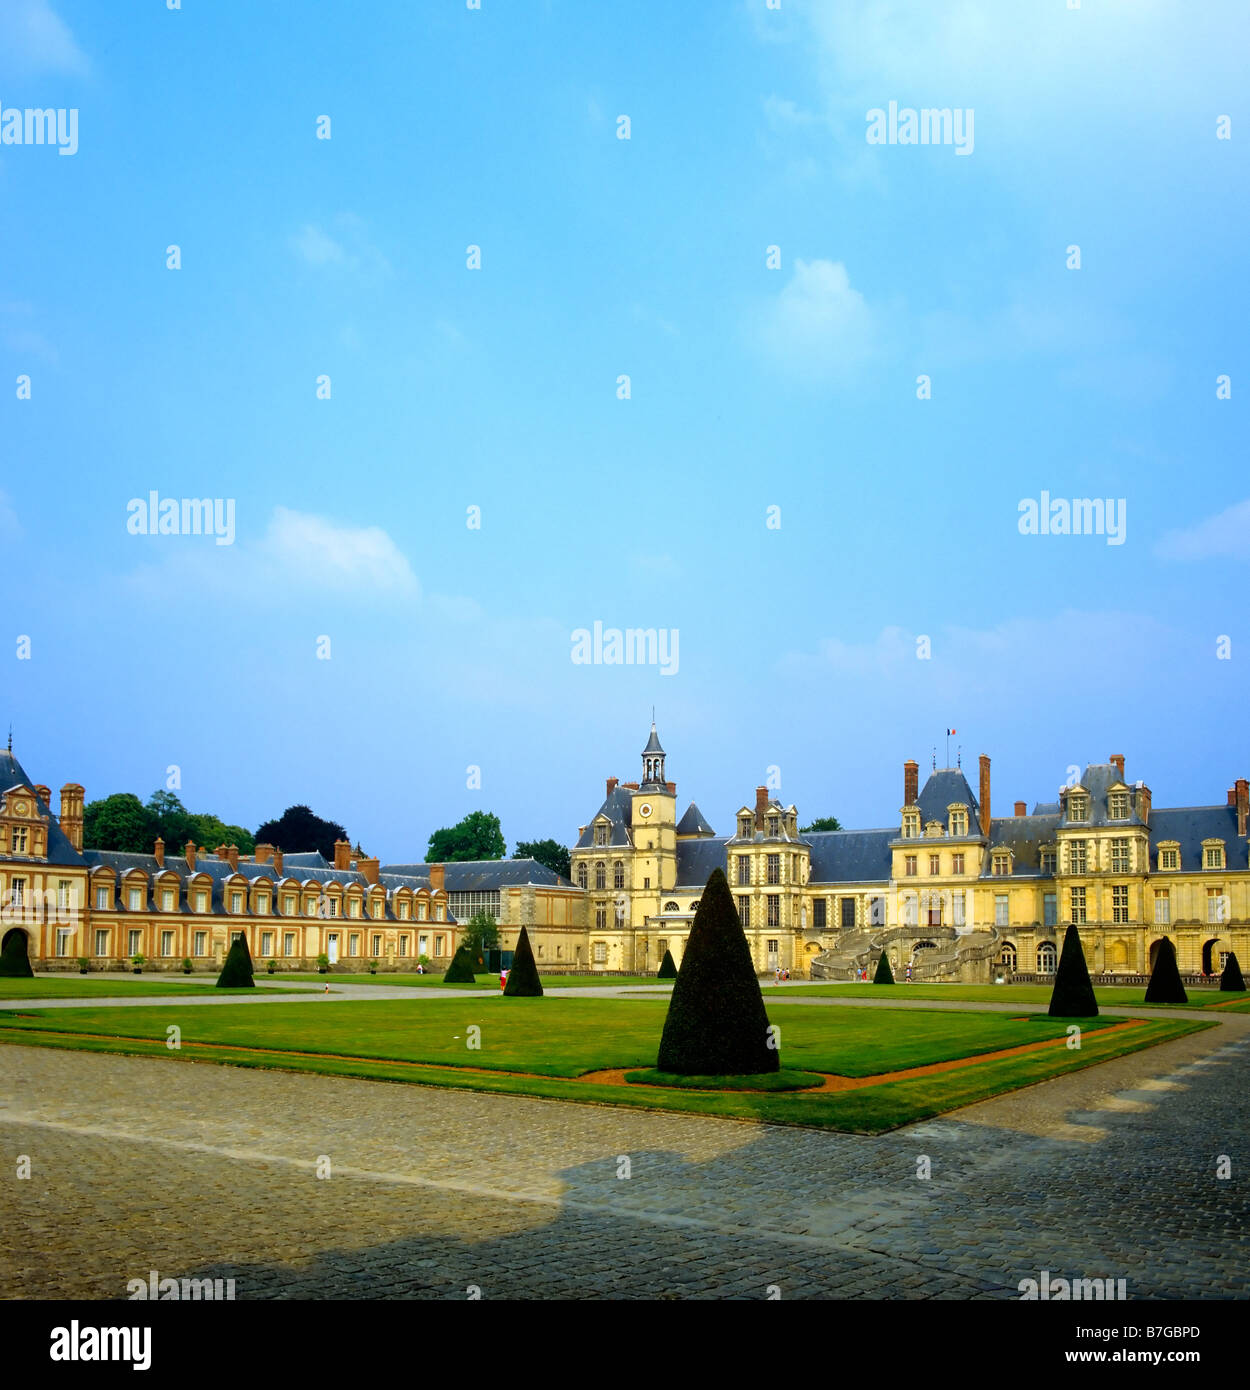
[(1046, 958), (618, 875), (694, 906), (581, 874), (1008, 957), (601, 875), (671, 907)]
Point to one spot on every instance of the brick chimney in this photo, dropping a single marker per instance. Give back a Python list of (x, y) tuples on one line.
[(1117, 761), (630, 786), (612, 785), (44, 794), (369, 868), (1242, 788), (1143, 803), (911, 782), (985, 794), (232, 854), (671, 788), (264, 854), (158, 852), (71, 813), (189, 850), (222, 853), (342, 854), (761, 805), (277, 862), (1232, 796), (438, 879), (1020, 809)]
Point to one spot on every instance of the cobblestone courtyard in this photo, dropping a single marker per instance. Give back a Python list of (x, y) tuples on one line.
[(196, 1170)]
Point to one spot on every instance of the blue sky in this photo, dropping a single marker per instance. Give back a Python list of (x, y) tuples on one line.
[(751, 388)]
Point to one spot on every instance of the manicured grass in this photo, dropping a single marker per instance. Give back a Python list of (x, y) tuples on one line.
[(483, 981), (553, 1040), (84, 987), (1108, 996), (783, 1080)]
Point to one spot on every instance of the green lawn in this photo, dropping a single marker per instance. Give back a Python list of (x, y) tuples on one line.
[(1108, 996), (84, 987), (555, 1039), (484, 981)]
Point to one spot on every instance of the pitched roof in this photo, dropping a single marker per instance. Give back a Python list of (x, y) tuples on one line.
[(483, 875), (12, 774), (617, 808), (1099, 778), (1024, 836), (694, 823), (1190, 825), (946, 787), (653, 743), (696, 858), (850, 856)]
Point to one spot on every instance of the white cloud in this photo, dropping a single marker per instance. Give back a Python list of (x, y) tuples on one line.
[(36, 39), (319, 550), (819, 326), (1223, 536), (347, 246), (316, 247)]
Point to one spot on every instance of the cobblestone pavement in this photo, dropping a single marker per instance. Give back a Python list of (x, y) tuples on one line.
[(196, 1170)]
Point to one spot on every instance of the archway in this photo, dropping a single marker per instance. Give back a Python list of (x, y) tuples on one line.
[(1155, 947), (1211, 956), (15, 954), (1046, 958)]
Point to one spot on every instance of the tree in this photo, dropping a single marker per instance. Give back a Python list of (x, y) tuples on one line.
[(14, 958), (668, 968), (477, 836), (236, 973), (478, 935), (716, 1023), (1072, 995), (460, 971), (550, 853), (822, 823), (1165, 985), (523, 978), (119, 822), (297, 830), (1230, 978), (884, 975)]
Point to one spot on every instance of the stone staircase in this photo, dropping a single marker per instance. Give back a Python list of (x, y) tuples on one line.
[(957, 956)]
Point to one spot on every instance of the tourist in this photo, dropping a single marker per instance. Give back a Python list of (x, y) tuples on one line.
[(503, 980)]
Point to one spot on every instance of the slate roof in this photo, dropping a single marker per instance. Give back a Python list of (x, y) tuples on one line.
[(484, 875), (617, 809), (306, 859), (694, 823), (1097, 781), (653, 743), (13, 774), (945, 787), (850, 856), (1024, 836), (1190, 825), (695, 861), (1046, 808)]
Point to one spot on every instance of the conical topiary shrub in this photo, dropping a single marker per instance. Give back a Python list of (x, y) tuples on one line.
[(716, 1023), (1072, 995), (884, 975), (1165, 979), (460, 971), (523, 978), (1230, 978), (236, 973), (14, 959), (668, 968)]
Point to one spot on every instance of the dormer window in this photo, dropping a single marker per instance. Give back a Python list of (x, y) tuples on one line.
[(1002, 864), (19, 834), (1169, 857), (959, 822), (1078, 806), (744, 830), (601, 834), (773, 824), (1048, 861), (911, 824), (1212, 856), (167, 900), (1117, 805)]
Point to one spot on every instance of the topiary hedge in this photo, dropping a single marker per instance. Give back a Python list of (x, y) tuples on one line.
[(1230, 977), (460, 971), (1165, 985), (523, 978), (236, 972), (884, 975), (668, 968), (1073, 994)]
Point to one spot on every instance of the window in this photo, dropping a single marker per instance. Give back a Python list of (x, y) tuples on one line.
[(672, 907), (1119, 856), (355, 907), (848, 913), (818, 914), (957, 863), (438, 946), (102, 899), (1169, 859), (1001, 918), (601, 875), (744, 911), (581, 873), (957, 909), (772, 827), (910, 865), (199, 943), (1163, 906), (1048, 861), (601, 952), (266, 943), (1214, 857), (1002, 864), (134, 939), (618, 874), (421, 912), (353, 944), (401, 910), (135, 899), (1077, 903), (311, 906), (911, 907), (1117, 806), (959, 822), (1046, 958), (646, 883), (1008, 957), (236, 902), (64, 935), (201, 902), (876, 910), (935, 863), (911, 824), (288, 905), (744, 828), (403, 943), (288, 943), (772, 948), (774, 910), (167, 943), (440, 912), (744, 870), (1077, 857), (262, 904), (376, 948), (1217, 905), (1050, 915), (1078, 807), (601, 918), (774, 868), (1119, 902), (601, 834)]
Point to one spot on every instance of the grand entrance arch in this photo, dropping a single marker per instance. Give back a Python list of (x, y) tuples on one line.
[(1155, 947), (15, 954), (1212, 951)]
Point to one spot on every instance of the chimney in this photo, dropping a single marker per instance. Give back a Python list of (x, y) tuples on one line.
[(1232, 796), (71, 813), (222, 853), (158, 852), (369, 868), (264, 854), (44, 794), (761, 805), (342, 854), (277, 862), (1243, 804), (1020, 811), (612, 784), (437, 879), (1143, 803), (985, 795), (671, 788), (189, 851), (911, 782), (1117, 761), (232, 854)]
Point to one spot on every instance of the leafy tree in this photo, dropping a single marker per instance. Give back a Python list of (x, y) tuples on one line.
[(477, 836), (14, 959), (550, 853), (523, 981), (460, 971), (668, 968), (716, 1023), (119, 822), (297, 830), (479, 934), (1165, 985), (236, 973), (1072, 995), (822, 823), (1231, 980), (884, 975)]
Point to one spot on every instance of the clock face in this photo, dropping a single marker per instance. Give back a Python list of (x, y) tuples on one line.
[(645, 809), (20, 808)]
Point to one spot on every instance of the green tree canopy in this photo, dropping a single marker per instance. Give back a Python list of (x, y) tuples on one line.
[(822, 823), (119, 822), (548, 852), (478, 934), (477, 836), (297, 830)]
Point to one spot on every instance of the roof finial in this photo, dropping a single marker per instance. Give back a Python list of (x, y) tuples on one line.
[(959, 755), (10, 735), (935, 757), (653, 716)]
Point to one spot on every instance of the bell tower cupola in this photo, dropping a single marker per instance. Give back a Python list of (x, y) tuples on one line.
[(653, 761)]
